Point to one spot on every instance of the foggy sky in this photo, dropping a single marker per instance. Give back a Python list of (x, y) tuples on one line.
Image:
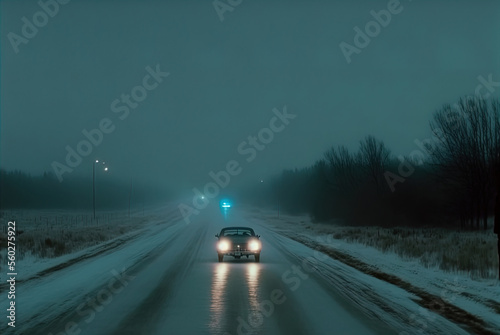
[(225, 79)]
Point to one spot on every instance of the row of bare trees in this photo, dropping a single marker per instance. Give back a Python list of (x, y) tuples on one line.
[(456, 182), (347, 171), (467, 157)]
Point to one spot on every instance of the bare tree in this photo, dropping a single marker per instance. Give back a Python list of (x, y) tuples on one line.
[(374, 156), (467, 152), (342, 169)]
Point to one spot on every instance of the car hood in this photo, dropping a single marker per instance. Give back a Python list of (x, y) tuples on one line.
[(240, 239)]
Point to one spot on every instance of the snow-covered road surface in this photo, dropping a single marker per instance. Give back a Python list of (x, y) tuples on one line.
[(166, 280)]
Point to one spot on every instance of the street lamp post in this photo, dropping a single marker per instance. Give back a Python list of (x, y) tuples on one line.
[(129, 198), (93, 182), (93, 186)]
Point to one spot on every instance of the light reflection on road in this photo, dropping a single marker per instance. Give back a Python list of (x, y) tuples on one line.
[(221, 301), (252, 277), (218, 302)]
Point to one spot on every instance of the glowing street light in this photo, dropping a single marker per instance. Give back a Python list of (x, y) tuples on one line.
[(93, 181)]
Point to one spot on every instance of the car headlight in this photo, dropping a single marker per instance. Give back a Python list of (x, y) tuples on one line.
[(223, 246), (254, 245)]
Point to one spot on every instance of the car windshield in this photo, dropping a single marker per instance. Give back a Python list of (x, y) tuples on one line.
[(238, 232)]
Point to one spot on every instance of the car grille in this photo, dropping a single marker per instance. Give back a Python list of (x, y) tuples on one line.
[(243, 247)]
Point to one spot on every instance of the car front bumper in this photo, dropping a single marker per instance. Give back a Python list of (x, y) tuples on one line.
[(239, 253)]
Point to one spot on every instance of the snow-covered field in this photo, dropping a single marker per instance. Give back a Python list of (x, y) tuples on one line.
[(43, 235), (478, 296)]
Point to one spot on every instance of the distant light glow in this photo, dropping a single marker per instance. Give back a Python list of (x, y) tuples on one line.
[(225, 205)]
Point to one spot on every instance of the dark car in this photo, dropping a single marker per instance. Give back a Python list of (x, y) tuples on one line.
[(238, 242)]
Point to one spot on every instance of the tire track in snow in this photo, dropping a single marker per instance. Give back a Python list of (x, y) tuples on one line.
[(433, 303), (146, 316), (57, 324)]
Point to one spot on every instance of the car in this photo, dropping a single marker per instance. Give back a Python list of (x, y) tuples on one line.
[(238, 242)]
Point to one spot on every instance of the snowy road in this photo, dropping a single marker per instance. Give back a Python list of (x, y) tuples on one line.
[(166, 280)]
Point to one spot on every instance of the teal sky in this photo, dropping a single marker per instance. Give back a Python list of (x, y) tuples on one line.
[(227, 76)]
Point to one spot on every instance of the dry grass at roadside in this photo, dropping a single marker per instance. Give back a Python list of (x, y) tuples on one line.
[(47, 234), (471, 252)]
